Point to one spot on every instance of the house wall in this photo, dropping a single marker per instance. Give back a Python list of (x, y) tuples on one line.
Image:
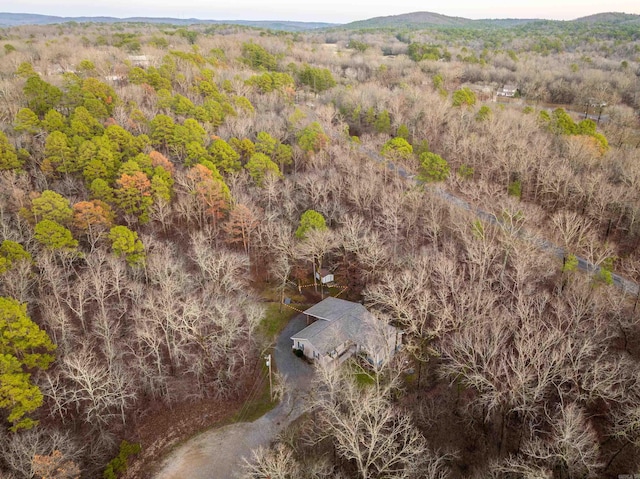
[(347, 350), (312, 353), (308, 349), (326, 360), (393, 342), (342, 348)]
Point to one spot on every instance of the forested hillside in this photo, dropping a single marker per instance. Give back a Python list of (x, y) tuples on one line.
[(161, 187), (17, 19)]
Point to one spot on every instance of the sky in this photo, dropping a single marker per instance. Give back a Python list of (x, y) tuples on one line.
[(336, 11)]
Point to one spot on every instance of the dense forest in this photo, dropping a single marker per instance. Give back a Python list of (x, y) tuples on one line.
[(163, 187)]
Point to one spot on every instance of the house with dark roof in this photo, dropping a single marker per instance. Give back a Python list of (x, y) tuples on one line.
[(339, 329)]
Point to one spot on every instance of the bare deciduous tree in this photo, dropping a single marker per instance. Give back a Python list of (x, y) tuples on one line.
[(219, 269), (370, 431), (55, 465), (19, 450), (98, 393), (571, 446)]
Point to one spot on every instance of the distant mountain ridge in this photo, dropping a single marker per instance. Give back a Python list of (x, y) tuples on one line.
[(430, 19), (610, 17), (410, 19), (416, 20), (18, 19)]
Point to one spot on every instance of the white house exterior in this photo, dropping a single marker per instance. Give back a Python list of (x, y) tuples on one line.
[(142, 61), (343, 328), (508, 91)]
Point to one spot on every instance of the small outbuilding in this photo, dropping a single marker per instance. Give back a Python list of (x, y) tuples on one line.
[(339, 329), (324, 276)]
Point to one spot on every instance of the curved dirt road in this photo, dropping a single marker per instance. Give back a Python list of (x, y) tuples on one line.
[(219, 453)]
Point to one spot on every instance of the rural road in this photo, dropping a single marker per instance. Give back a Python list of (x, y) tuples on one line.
[(627, 286), (219, 453)]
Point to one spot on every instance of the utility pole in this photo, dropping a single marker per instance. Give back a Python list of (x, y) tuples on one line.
[(268, 360), (601, 106), (315, 285)]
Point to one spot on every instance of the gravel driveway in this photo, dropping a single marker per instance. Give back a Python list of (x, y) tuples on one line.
[(218, 453)]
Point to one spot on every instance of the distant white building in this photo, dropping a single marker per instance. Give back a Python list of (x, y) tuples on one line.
[(117, 79), (59, 70), (142, 61), (508, 91), (341, 329)]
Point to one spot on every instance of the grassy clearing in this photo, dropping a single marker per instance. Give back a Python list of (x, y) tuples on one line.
[(257, 406), (364, 379), (275, 318), (334, 291), (362, 376), (270, 293)]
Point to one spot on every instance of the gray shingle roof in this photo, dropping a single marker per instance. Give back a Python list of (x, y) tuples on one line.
[(331, 309), (342, 321), (324, 335)]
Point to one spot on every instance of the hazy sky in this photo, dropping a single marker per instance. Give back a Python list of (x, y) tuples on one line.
[(340, 11)]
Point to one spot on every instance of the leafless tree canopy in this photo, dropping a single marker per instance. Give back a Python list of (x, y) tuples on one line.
[(152, 183)]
